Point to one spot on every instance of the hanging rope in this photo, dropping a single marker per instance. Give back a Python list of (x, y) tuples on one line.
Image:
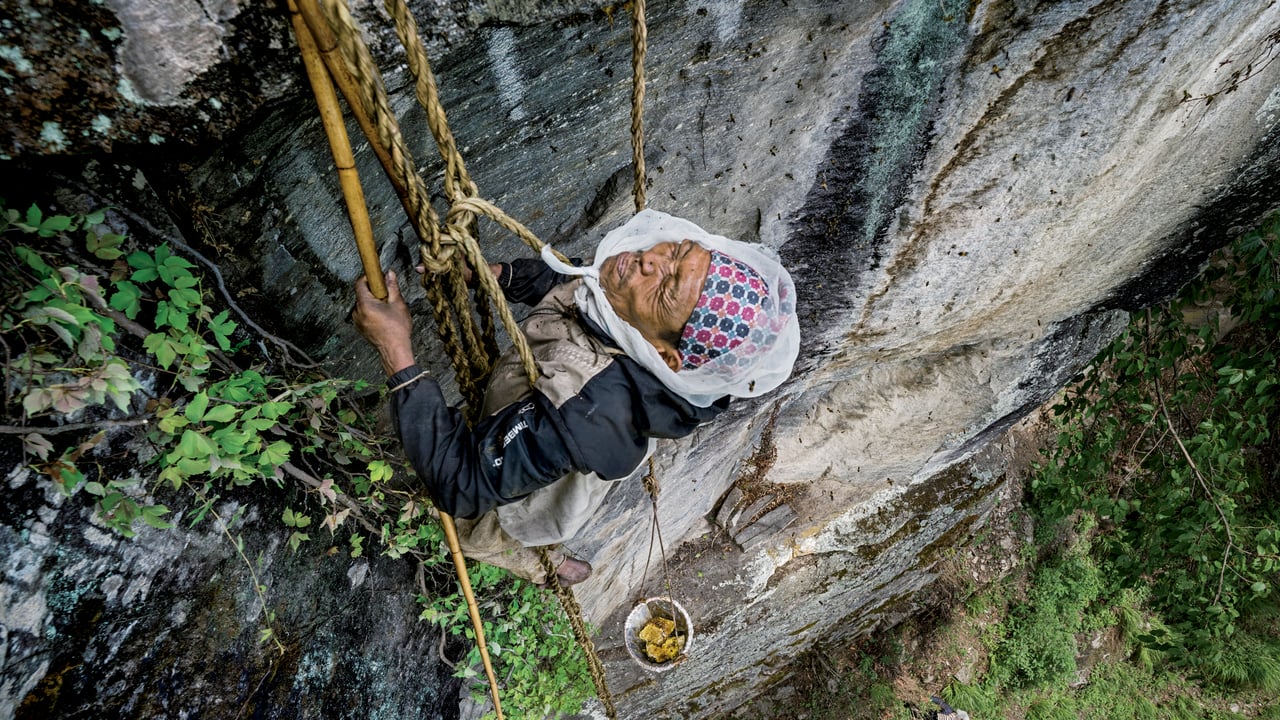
[(655, 530), (574, 611), (639, 48)]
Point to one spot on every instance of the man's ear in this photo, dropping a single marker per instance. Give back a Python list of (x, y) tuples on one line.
[(670, 356)]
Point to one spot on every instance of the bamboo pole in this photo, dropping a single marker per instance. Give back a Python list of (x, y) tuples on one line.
[(464, 581), (327, 47), (343, 159), (335, 130)]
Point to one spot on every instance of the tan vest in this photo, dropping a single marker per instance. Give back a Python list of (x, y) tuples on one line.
[(568, 357)]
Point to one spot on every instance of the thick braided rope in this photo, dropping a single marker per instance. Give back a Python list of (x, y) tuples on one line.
[(460, 220), (377, 107), (456, 326), (457, 182), (639, 47), (574, 611), (470, 207)]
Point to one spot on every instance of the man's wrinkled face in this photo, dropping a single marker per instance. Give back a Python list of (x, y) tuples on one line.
[(655, 290)]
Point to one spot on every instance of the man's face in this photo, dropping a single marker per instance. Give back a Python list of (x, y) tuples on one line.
[(655, 290)]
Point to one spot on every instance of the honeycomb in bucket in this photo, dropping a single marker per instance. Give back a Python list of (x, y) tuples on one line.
[(661, 643)]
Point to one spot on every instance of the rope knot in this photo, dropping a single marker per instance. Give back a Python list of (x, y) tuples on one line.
[(442, 262), (650, 482)]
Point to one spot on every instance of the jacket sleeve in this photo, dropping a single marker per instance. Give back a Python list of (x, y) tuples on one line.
[(468, 471), (528, 280)]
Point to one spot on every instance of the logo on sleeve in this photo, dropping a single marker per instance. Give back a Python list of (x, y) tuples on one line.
[(513, 432)]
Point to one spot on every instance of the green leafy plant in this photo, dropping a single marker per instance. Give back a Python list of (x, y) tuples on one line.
[(98, 333), (1039, 647), (1170, 443), (530, 642)]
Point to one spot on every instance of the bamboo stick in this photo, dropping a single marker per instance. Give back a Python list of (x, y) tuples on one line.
[(343, 159), (464, 580), (327, 46)]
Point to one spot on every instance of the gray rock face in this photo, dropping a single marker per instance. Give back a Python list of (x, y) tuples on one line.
[(169, 623), (970, 199)]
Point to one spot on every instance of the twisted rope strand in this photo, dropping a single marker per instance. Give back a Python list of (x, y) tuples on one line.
[(457, 182), (457, 327), (574, 612), (639, 48)]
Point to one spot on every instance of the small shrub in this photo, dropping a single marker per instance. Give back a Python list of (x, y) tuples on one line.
[(981, 700), (1169, 442), (98, 331), (1040, 645), (1244, 660), (1053, 706)]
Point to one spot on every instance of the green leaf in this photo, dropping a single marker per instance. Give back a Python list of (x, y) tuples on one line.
[(127, 299), (222, 328), (221, 413), (109, 502), (162, 347), (185, 298), (144, 266), (172, 422), (33, 216), (192, 466), (196, 408), (295, 519), (151, 515), (380, 471), (33, 260), (178, 320), (53, 225), (103, 245), (277, 453), (195, 445), (258, 424), (173, 270), (273, 410)]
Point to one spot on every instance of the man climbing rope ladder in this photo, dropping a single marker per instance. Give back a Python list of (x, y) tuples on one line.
[(648, 342)]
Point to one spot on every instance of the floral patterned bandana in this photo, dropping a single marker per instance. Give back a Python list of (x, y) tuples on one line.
[(733, 297)]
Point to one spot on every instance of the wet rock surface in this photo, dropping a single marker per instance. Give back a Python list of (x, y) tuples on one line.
[(970, 199)]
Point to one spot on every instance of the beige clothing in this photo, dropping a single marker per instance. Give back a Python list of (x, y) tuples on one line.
[(568, 357)]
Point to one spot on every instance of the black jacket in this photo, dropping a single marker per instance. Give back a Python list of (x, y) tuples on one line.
[(531, 443)]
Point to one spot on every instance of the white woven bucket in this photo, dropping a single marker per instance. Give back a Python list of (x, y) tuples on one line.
[(641, 614)]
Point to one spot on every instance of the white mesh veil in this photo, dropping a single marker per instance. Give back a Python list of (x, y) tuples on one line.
[(740, 374)]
